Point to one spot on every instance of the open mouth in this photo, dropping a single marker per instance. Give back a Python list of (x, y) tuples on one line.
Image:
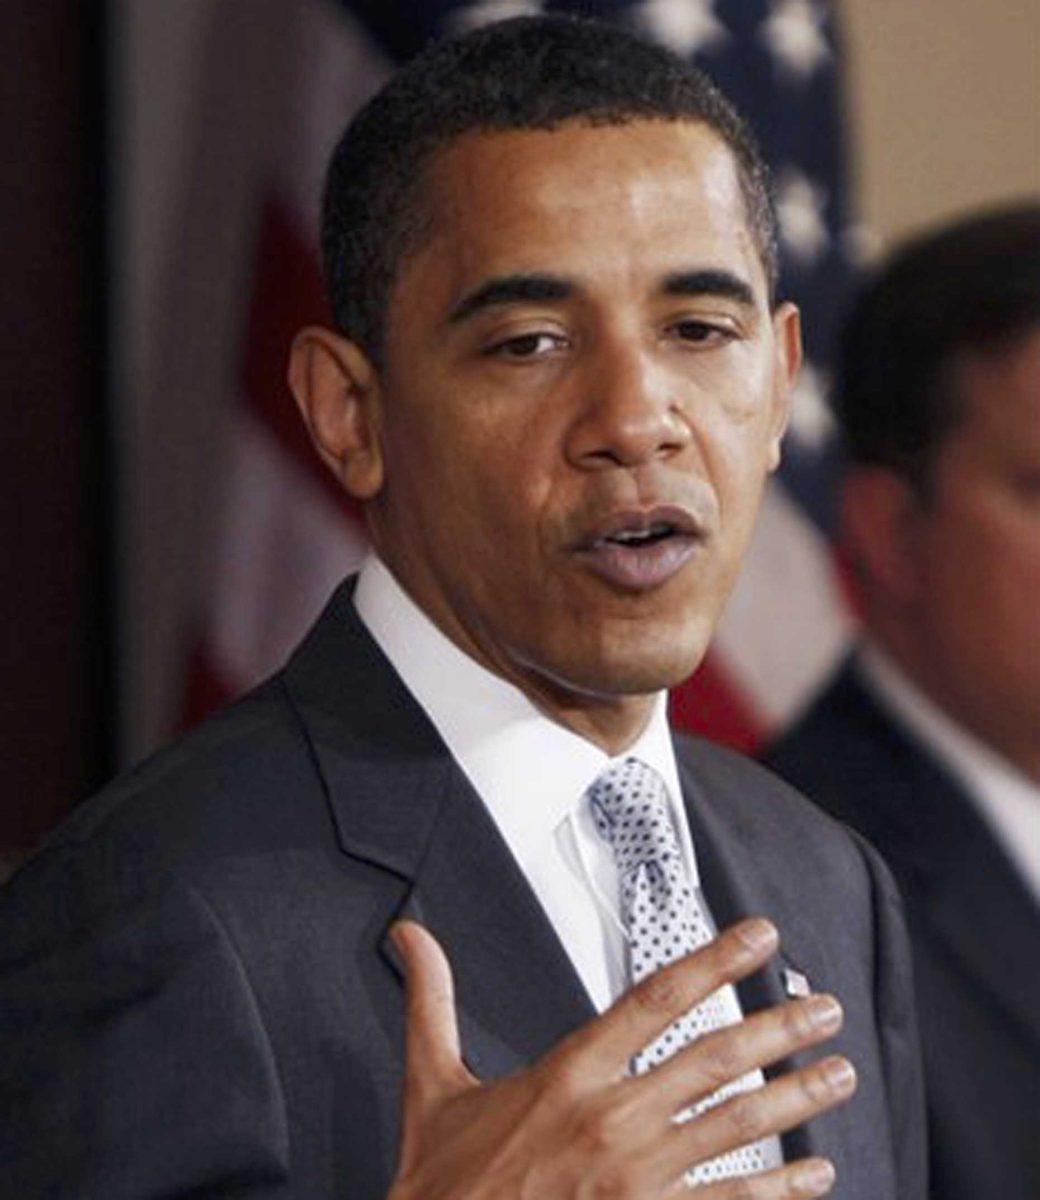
[(638, 551), (638, 538)]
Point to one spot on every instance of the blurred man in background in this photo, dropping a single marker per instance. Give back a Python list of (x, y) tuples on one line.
[(928, 740)]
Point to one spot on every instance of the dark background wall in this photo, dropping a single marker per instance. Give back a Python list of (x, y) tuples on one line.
[(55, 643)]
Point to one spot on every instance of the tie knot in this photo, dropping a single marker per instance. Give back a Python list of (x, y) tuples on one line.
[(630, 810)]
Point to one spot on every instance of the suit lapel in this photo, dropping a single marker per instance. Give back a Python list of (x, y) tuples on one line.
[(400, 803), (728, 882), (517, 992), (730, 862)]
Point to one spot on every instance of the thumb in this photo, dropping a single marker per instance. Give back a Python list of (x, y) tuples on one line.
[(433, 1057)]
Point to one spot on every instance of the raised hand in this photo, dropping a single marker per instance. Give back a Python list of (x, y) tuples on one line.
[(576, 1126)]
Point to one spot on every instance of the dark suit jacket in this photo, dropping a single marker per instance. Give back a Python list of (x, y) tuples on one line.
[(975, 932), (197, 997)]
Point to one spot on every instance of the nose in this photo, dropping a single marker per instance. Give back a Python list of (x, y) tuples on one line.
[(628, 415)]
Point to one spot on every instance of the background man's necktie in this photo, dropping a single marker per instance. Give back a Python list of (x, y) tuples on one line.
[(664, 919)]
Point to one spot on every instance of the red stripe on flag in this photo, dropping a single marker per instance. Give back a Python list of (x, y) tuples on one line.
[(848, 583), (287, 294), (711, 704)]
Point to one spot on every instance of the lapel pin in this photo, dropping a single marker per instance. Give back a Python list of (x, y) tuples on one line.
[(796, 985)]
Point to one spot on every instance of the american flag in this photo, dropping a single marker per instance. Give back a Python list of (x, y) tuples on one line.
[(287, 535)]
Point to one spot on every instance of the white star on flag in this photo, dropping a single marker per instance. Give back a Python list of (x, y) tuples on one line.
[(684, 26), (799, 211), (812, 421), (485, 12), (793, 31)]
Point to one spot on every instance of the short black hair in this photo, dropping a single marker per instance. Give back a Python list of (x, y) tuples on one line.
[(524, 73), (970, 286)]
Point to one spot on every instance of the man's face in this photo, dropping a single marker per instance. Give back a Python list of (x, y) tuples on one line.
[(584, 388), (979, 545)]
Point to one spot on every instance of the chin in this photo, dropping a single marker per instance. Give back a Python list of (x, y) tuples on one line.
[(637, 665), (646, 677)]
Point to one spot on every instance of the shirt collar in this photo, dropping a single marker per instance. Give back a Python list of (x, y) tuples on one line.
[(530, 771)]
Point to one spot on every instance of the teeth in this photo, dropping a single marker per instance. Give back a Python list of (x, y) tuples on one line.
[(635, 537)]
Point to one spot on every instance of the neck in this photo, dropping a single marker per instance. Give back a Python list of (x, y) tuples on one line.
[(611, 723)]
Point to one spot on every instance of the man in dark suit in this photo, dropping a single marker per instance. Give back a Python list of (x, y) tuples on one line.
[(557, 382), (928, 741)]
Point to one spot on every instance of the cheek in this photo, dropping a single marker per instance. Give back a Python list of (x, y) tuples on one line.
[(1011, 569), (731, 388), (494, 487), (735, 456), (728, 401), (981, 580)]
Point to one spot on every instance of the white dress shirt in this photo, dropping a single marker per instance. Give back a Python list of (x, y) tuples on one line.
[(1007, 800)]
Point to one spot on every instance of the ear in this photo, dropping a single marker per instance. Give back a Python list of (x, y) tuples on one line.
[(879, 519), (337, 391), (787, 343)]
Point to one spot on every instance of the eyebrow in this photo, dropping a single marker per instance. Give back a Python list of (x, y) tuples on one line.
[(710, 283), (511, 289), (521, 288)]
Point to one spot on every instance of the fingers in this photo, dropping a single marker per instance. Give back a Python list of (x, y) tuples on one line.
[(433, 1058), (604, 1046), (718, 1058), (774, 1108), (803, 1180)]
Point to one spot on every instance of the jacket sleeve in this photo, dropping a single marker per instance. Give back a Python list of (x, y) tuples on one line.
[(897, 1029), (133, 1060)]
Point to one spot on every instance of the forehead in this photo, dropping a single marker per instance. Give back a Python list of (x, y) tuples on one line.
[(644, 195)]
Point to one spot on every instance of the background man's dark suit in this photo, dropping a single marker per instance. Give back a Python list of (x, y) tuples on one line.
[(198, 999), (973, 928)]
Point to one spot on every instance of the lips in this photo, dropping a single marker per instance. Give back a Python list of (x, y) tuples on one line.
[(638, 550)]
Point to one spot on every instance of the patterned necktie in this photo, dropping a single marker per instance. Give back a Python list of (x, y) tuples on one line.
[(664, 920)]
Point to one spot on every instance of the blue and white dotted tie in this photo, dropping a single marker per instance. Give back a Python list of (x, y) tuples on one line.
[(664, 920)]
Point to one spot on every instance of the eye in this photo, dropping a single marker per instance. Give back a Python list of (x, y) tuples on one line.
[(538, 344), (701, 332)]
